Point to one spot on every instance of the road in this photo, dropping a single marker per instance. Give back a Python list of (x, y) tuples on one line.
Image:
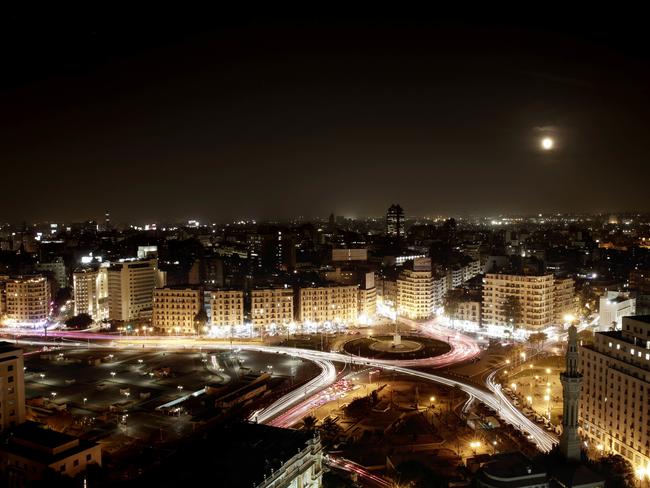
[(465, 347)]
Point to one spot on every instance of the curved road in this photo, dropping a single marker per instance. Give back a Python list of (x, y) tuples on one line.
[(463, 348)]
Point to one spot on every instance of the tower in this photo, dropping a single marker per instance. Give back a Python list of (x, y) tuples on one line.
[(571, 381), (395, 221)]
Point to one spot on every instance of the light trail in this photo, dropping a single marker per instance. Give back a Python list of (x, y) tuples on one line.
[(494, 398), (360, 471), (325, 378)]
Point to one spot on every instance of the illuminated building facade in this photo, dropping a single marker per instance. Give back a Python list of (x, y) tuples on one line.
[(328, 304), (227, 307), (271, 306), (90, 288), (28, 299), (130, 288), (564, 299), (415, 298), (613, 307), (535, 295), (175, 309), (395, 221), (615, 401), (12, 386)]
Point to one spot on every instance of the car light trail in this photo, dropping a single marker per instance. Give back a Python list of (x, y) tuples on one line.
[(493, 398)]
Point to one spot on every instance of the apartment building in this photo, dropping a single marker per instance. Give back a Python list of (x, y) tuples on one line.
[(271, 306), (415, 298), (615, 401), (28, 299), (32, 450), (564, 299), (175, 309), (542, 299), (468, 310), (331, 303), (90, 291), (130, 288), (12, 386), (226, 307)]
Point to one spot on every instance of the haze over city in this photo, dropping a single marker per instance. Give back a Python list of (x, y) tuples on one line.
[(256, 250), (263, 118)]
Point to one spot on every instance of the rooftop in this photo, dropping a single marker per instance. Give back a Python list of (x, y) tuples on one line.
[(32, 441), (240, 455), (6, 347)]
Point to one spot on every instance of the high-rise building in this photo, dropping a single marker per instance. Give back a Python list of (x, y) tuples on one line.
[(542, 300), (130, 288), (640, 286), (615, 401), (332, 303), (395, 221), (3, 295), (415, 294), (564, 298), (227, 307), (28, 299), (12, 386), (90, 288), (367, 297), (271, 306), (175, 309), (56, 270)]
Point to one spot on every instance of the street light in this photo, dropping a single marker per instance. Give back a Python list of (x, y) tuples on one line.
[(475, 445), (85, 400)]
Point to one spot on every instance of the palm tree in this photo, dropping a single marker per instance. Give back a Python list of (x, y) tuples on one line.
[(537, 339), (309, 423), (451, 302), (329, 428)]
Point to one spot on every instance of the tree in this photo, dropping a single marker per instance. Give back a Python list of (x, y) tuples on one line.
[(374, 397), (81, 321), (512, 311), (537, 339), (309, 423), (329, 429), (451, 302), (587, 302), (200, 320), (358, 407), (416, 475), (616, 470)]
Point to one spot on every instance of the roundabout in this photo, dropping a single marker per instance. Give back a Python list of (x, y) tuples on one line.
[(395, 347)]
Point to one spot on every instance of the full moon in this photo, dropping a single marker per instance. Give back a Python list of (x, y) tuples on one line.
[(547, 143)]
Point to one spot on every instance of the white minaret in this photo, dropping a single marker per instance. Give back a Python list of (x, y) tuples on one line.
[(571, 380)]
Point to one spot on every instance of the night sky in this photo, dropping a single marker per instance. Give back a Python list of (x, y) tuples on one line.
[(201, 115)]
